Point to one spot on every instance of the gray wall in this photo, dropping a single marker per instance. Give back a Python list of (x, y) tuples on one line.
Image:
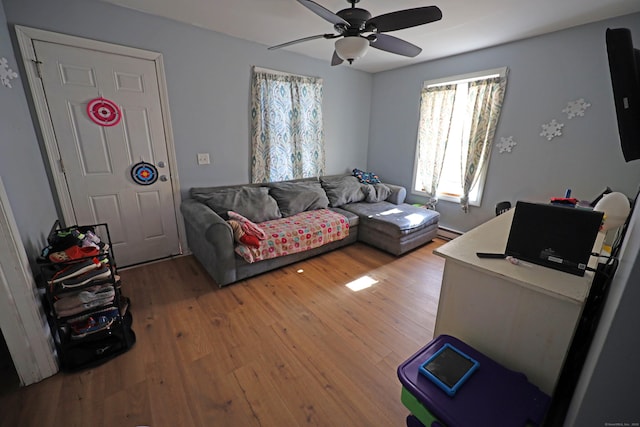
[(208, 77), (545, 73), (21, 165)]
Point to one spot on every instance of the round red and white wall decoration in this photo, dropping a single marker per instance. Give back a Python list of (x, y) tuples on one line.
[(104, 112)]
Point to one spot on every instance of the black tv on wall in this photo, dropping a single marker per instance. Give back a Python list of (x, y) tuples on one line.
[(624, 67)]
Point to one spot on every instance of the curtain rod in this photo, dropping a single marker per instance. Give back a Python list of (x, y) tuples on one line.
[(478, 75), (282, 73)]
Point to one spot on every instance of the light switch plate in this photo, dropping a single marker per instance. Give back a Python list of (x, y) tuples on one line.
[(203, 159)]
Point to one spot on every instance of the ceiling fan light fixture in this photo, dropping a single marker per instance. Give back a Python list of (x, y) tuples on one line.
[(351, 47)]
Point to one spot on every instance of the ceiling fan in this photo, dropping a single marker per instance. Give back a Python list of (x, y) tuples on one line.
[(352, 23)]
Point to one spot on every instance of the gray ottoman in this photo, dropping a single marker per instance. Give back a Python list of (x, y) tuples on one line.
[(394, 228)]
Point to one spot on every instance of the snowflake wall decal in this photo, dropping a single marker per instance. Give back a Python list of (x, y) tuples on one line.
[(6, 73), (576, 108), (552, 129), (506, 144)]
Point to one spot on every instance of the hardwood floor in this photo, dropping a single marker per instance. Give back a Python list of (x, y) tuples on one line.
[(291, 347)]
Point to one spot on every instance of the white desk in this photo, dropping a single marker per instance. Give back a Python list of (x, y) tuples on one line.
[(522, 316)]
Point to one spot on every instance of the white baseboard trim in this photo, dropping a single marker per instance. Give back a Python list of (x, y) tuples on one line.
[(140, 264), (448, 233)]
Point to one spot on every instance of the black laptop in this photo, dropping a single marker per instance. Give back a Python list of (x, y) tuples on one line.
[(554, 236)]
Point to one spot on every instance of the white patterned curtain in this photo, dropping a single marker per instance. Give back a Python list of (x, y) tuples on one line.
[(484, 104), (436, 112), (287, 137)]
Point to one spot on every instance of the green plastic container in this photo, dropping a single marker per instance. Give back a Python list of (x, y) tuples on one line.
[(417, 409)]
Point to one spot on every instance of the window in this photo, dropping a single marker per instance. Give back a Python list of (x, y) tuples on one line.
[(458, 118), (287, 136)]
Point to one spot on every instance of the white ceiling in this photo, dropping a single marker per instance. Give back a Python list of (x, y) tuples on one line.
[(465, 26)]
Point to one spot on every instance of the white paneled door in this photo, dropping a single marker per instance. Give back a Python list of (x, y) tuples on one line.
[(96, 160)]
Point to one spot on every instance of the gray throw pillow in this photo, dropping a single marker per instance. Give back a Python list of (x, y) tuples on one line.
[(343, 190), (253, 203), (296, 197), (377, 193)]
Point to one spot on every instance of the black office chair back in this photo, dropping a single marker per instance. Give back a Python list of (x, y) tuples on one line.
[(502, 207)]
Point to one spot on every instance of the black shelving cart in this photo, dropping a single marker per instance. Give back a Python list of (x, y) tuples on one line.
[(88, 314)]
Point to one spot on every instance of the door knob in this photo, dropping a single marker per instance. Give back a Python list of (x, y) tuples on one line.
[(163, 178)]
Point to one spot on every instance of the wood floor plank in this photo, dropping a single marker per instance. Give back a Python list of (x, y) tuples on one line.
[(190, 329), (309, 401), (36, 405), (291, 347), (343, 375), (214, 395), (81, 398), (267, 406), (167, 393), (129, 406)]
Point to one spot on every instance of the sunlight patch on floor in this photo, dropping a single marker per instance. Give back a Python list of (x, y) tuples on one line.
[(363, 282)]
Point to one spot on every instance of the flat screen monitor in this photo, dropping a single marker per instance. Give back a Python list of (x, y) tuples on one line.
[(557, 237), (624, 67)]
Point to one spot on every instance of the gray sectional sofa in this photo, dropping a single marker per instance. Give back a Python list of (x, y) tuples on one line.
[(377, 215)]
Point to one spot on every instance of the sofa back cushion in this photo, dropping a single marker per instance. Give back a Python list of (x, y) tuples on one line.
[(254, 203), (296, 197), (344, 189), (376, 193)]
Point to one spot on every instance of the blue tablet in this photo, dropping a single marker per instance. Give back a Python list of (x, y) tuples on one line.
[(449, 368)]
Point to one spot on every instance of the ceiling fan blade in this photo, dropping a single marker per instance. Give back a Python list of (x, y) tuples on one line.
[(305, 39), (404, 19), (335, 59), (322, 12), (395, 45)]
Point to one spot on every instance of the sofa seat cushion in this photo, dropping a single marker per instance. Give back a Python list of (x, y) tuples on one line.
[(394, 220), (297, 233), (351, 217)]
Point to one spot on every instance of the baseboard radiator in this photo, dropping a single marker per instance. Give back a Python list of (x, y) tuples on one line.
[(448, 233)]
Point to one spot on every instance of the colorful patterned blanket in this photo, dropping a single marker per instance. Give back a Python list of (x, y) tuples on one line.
[(297, 233)]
